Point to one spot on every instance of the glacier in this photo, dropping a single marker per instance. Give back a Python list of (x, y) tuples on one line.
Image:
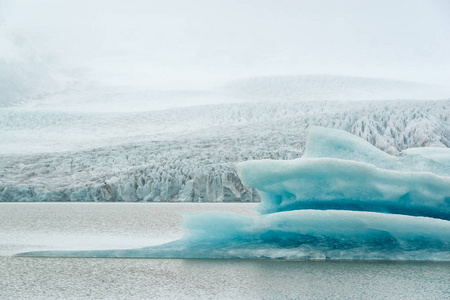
[(344, 199), (189, 154)]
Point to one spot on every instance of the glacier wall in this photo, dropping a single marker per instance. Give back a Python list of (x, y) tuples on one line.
[(190, 154)]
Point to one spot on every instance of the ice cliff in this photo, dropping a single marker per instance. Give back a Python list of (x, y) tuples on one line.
[(344, 199)]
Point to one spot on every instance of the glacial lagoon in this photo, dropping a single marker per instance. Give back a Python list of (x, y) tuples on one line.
[(374, 226), (64, 226)]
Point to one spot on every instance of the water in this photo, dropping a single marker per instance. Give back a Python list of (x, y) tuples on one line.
[(44, 226)]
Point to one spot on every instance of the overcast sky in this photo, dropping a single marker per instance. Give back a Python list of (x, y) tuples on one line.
[(168, 42)]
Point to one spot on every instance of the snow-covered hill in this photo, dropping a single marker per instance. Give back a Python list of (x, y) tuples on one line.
[(187, 154), (36, 88), (331, 88)]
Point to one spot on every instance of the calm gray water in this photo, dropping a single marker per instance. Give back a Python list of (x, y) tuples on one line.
[(41, 226)]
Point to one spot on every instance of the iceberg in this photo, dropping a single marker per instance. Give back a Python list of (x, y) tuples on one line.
[(300, 234), (343, 199), (341, 171)]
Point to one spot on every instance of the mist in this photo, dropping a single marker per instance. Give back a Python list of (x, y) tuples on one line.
[(195, 42)]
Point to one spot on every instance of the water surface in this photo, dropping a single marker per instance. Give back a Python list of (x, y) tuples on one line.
[(44, 226)]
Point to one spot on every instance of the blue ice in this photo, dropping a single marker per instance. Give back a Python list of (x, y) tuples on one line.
[(344, 199), (341, 171)]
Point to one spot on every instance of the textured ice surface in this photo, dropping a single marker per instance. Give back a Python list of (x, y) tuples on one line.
[(189, 154), (324, 208)]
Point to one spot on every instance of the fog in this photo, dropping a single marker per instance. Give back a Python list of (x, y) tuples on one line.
[(155, 43)]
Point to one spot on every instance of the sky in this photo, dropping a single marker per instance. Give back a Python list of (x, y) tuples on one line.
[(192, 43)]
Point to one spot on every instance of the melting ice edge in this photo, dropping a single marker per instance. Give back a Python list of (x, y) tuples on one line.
[(344, 199)]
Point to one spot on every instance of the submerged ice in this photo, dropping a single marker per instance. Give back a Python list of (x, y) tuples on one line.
[(344, 199)]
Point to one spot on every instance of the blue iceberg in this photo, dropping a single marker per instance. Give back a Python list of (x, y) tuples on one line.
[(341, 171), (344, 199)]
